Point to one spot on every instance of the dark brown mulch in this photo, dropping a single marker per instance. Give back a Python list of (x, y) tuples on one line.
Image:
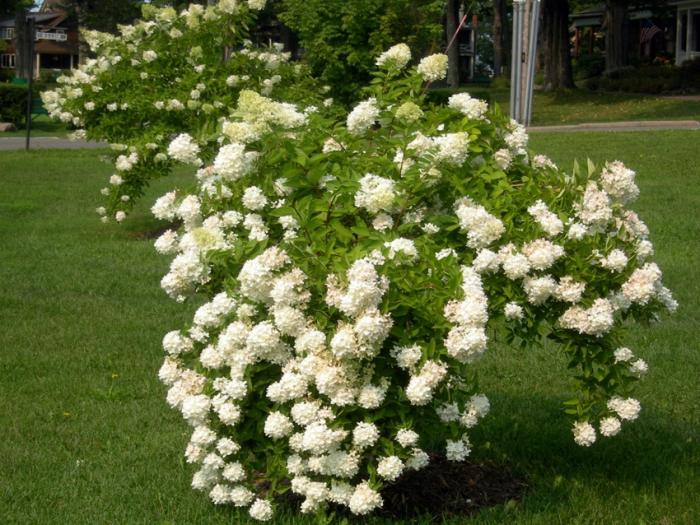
[(450, 488), (443, 488), (155, 232)]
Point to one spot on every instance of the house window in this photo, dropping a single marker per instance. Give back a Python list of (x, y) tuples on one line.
[(7, 33), (7, 61)]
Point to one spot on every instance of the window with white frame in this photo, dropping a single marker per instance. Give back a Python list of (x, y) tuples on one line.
[(7, 33), (7, 61)]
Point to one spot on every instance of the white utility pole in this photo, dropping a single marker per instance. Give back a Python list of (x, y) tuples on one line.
[(526, 16)]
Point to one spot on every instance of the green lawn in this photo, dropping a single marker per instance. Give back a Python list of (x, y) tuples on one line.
[(42, 126), (578, 106), (87, 438), (585, 106)]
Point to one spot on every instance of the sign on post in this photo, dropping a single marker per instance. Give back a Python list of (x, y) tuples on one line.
[(58, 37)]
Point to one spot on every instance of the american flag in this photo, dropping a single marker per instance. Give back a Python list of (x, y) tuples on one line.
[(649, 29)]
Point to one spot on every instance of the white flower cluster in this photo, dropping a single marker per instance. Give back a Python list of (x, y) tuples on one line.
[(516, 138), (473, 108), (618, 182), (620, 410), (375, 194), (184, 149), (482, 228), (395, 57), (595, 320), (548, 221), (467, 340), (363, 116), (452, 148), (433, 67)]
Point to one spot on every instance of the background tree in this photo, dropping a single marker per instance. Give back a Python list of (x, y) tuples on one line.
[(616, 34), (341, 39), (500, 30), (451, 22), (102, 15), (557, 45), (9, 7)]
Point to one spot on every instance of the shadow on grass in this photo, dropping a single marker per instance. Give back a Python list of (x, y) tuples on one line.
[(537, 446), (536, 440)]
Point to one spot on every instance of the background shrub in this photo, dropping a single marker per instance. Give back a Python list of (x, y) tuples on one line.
[(652, 79), (587, 66), (6, 75), (13, 103)]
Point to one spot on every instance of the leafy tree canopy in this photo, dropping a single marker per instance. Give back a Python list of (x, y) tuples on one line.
[(9, 7), (103, 15), (342, 39)]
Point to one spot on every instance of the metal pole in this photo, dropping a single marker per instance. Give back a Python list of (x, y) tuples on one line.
[(31, 35), (516, 52), (512, 69), (520, 6), (529, 87)]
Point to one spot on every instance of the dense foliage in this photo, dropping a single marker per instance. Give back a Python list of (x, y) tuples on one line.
[(102, 15), (356, 269)]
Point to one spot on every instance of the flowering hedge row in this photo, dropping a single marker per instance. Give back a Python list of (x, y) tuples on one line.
[(355, 270)]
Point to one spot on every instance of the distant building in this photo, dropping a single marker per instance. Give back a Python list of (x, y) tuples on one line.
[(649, 37), (56, 39), (687, 30)]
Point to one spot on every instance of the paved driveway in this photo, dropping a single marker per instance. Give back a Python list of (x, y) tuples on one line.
[(15, 143)]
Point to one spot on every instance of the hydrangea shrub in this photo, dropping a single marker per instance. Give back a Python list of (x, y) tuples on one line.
[(355, 270)]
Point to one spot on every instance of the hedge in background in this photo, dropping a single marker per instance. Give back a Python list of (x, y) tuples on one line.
[(13, 103), (653, 79)]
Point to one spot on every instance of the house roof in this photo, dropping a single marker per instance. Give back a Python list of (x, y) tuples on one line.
[(42, 20), (51, 5)]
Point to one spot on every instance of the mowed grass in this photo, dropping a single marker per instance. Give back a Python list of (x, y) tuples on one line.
[(580, 105), (87, 438), (42, 126)]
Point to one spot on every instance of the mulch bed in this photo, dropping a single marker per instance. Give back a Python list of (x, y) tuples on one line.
[(155, 232), (442, 489), (450, 488)]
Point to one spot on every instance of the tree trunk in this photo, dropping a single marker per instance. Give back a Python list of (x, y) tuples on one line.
[(499, 18), (616, 33), (22, 67), (557, 51), (83, 47), (451, 23)]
